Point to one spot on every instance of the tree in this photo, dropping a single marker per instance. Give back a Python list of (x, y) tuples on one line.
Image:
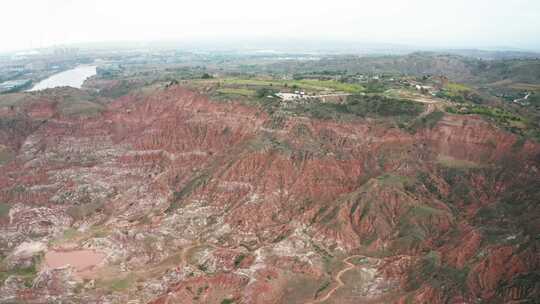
[(206, 76), (263, 92)]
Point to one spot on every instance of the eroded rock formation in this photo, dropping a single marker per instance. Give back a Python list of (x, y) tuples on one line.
[(192, 200)]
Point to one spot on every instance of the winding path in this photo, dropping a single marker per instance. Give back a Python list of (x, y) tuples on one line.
[(338, 279)]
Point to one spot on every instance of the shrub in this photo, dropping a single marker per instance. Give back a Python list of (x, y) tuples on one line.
[(81, 211), (362, 106), (238, 260), (263, 92), (429, 121), (4, 209)]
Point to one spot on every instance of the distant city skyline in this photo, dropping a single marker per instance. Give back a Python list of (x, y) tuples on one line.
[(30, 24)]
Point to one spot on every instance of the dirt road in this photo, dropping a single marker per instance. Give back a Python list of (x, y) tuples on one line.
[(337, 278)]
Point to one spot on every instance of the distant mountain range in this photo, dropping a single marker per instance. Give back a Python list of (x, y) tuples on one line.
[(324, 46), (485, 67)]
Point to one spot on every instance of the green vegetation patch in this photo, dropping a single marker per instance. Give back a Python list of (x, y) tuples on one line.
[(238, 260), (393, 180), (382, 106), (330, 216), (359, 260), (451, 162), (457, 87), (71, 233), (515, 215), (410, 234), (534, 99), (267, 141), (300, 287), (423, 211), (81, 108), (459, 93), (191, 186), (117, 284), (414, 227), (375, 106), (4, 209), (527, 126), (322, 288), (483, 110), (307, 84), (16, 99), (5, 155), (527, 281), (330, 84), (237, 91), (431, 270), (428, 121), (28, 274), (79, 212)]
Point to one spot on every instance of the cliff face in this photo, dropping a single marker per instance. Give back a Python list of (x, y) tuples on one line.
[(193, 200)]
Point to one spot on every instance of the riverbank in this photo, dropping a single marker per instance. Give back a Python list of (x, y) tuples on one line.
[(72, 78)]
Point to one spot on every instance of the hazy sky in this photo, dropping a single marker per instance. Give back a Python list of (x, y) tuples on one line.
[(437, 23)]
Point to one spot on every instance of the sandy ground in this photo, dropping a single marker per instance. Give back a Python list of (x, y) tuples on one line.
[(83, 261)]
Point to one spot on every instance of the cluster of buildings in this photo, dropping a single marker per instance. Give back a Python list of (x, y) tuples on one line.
[(301, 96), (293, 96)]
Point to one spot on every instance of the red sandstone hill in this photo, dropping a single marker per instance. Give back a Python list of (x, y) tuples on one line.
[(199, 201)]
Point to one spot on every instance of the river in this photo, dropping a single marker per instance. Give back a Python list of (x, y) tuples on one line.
[(72, 78)]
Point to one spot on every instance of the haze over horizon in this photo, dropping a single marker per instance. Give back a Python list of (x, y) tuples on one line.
[(300, 151), (30, 24)]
